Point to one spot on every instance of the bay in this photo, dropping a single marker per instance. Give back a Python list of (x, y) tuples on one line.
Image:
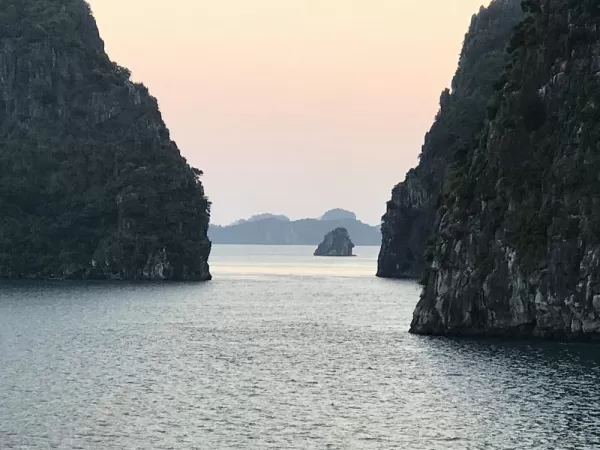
[(282, 350)]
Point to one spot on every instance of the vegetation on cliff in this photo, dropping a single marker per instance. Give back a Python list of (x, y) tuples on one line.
[(517, 241), (91, 185), (410, 215)]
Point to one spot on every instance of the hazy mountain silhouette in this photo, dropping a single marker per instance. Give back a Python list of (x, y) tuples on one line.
[(259, 217), (269, 229)]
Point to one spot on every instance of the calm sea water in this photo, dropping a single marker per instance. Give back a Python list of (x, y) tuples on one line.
[(281, 351)]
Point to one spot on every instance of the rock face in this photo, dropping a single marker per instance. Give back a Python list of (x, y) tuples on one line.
[(517, 239), (336, 243), (91, 185), (410, 216)]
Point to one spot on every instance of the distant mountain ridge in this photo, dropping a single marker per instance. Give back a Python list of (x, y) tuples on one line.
[(338, 214), (269, 229), (259, 217)]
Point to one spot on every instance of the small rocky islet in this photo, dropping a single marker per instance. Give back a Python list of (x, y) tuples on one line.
[(336, 243)]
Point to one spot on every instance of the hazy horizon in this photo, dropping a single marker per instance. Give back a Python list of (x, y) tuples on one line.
[(292, 107), (291, 217)]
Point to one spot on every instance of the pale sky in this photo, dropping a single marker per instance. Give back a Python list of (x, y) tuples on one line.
[(292, 106)]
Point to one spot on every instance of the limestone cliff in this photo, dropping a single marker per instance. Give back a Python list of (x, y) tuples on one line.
[(91, 185), (410, 215), (517, 239), (336, 243)]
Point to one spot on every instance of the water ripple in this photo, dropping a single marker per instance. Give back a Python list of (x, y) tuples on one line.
[(290, 362)]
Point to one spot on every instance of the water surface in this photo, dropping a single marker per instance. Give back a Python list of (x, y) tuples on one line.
[(283, 351)]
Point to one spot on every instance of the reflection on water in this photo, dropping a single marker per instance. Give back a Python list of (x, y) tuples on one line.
[(313, 358)]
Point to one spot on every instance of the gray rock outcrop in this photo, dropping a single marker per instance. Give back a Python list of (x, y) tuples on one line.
[(336, 243)]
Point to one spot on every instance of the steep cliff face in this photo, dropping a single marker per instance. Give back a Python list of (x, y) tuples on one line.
[(517, 242), (91, 185), (410, 216)]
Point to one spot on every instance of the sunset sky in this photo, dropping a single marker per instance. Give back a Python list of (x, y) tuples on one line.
[(292, 106)]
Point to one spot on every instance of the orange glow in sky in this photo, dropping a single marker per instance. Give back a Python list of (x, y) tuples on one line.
[(292, 106)]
